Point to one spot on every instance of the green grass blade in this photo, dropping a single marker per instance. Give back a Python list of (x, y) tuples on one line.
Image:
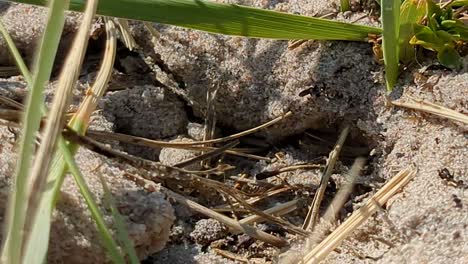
[(108, 241), (344, 5), (411, 12), (391, 25), (78, 123), (16, 55), (13, 242), (122, 233), (39, 180), (227, 19)]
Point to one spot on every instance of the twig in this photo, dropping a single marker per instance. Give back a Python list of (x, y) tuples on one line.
[(267, 174), (357, 218), (337, 203), (312, 215), (425, 106), (230, 255), (207, 155), (212, 141), (280, 209), (140, 141), (10, 102)]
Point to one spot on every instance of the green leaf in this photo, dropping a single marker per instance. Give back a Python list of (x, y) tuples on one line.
[(390, 10), (411, 13), (427, 38), (227, 19), (459, 3), (446, 24), (450, 58), (433, 13), (445, 37)]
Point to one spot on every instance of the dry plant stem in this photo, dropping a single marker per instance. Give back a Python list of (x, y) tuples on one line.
[(7, 71), (102, 79), (56, 117), (9, 124), (154, 33), (280, 209), (11, 115), (425, 106), (313, 213), (149, 165), (210, 119), (230, 255), (345, 190), (207, 155), (284, 224), (168, 172), (232, 209), (266, 195), (163, 144), (329, 218), (136, 140), (260, 183), (128, 39), (358, 217), (268, 174), (10, 102), (231, 223)]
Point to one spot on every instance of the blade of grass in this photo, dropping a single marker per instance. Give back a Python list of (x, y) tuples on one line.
[(78, 123), (16, 215), (90, 102), (227, 19), (390, 10), (344, 5), (106, 236), (36, 222), (411, 12), (122, 233), (14, 51)]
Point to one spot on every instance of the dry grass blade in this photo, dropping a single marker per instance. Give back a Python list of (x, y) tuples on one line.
[(266, 195), (11, 115), (7, 71), (166, 172), (207, 155), (230, 255), (357, 218), (337, 203), (345, 190), (154, 34), (312, 215), (268, 174), (227, 190), (128, 39), (428, 107), (196, 146), (280, 209), (99, 87), (155, 143), (11, 103), (56, 118), (231, 223)]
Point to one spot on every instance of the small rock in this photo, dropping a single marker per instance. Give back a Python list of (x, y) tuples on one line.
[(196, 131), (208, 230)]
